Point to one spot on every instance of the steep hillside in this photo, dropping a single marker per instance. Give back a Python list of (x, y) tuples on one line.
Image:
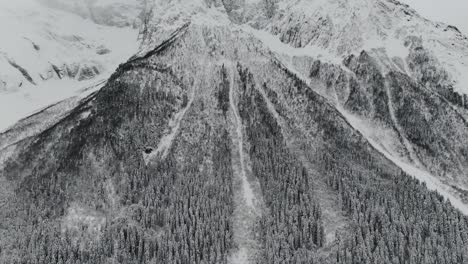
[(399, 78), (211, 147)]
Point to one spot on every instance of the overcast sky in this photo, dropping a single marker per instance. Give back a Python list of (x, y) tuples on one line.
[(453, 12)]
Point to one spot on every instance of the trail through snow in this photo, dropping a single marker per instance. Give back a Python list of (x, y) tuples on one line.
[(409, 148), (165, 142), (248, 192), (247, 211)]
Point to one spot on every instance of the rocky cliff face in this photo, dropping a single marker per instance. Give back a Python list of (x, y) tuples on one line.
[(210, 146)]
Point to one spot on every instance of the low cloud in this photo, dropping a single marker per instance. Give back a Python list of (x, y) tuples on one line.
[(452, 12)]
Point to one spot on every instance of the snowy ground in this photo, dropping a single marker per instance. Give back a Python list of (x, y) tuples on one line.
[(17, 105), (36, 38)]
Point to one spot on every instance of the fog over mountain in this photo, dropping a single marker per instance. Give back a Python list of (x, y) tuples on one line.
[(240, 131), (107, 12), (450, 11)]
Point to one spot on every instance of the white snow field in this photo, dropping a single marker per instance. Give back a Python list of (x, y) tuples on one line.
[(47, 55)]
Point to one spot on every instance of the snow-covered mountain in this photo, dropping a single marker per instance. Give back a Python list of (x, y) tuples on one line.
[(391, 72), (252, 131), (47, 55)]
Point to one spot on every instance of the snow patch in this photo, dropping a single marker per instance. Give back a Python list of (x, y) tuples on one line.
[(241, 257), (17, 105), (461, 73), (85, 114), (275, 45), (393, 46), (5, 154), (111, 193), (78, 217), (247, 189)]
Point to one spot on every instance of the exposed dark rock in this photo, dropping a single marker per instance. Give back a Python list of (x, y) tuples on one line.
[(23, 71), (450, 27), (148, 150), (57, 71), (223, 92), (101, 50), (87, 72)]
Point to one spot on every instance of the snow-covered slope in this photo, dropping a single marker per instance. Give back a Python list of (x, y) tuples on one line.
[(408, 72), (120, 13), (359, 41), (338, 45), (47, 55)]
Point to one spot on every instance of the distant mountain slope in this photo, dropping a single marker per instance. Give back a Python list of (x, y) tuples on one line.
[(119, 13), (47, 55)]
